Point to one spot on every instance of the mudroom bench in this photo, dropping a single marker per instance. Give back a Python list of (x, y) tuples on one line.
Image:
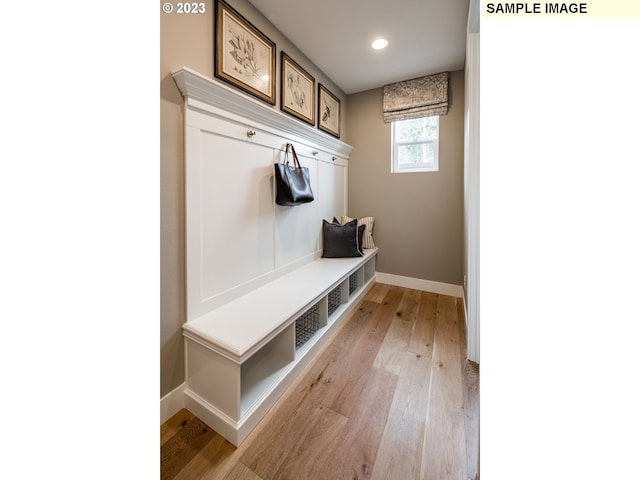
[(259, 302), (242, 356)]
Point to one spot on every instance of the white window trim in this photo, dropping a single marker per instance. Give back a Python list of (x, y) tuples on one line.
[(418, 167)]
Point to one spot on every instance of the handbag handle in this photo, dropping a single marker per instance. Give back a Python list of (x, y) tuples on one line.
[(296, 163)]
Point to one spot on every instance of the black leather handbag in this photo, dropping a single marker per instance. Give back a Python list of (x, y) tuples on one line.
[(293, 186)]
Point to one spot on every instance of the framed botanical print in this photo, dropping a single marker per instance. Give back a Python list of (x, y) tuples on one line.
[(244, 56), (297, 95), (328, 111)]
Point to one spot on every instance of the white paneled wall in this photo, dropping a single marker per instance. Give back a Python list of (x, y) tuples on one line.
[(237, 237), (236, 215)]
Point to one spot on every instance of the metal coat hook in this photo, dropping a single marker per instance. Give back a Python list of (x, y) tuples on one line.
[(250, 133)]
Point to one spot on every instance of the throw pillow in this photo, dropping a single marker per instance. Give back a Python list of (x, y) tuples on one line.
[(361, 230), (340, 240), (367, 241)]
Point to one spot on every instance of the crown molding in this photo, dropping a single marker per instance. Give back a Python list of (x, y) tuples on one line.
[(212, 95)]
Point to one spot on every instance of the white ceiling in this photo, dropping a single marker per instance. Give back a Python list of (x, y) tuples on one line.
[(425, 37)]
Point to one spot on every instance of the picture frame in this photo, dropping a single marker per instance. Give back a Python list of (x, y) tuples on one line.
[(328, 111), (244, 56), (297, 90)]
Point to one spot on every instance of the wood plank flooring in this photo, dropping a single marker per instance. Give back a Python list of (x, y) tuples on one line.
[(391, 396)]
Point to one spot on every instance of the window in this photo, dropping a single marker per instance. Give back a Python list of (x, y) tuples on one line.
[(414, 145)]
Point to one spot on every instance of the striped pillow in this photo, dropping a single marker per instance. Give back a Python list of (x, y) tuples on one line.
[(367, 241)]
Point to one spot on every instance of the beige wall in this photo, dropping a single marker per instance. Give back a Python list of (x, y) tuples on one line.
[(187, 41), (419, 216)]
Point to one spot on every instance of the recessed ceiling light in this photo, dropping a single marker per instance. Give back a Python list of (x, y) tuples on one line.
[(379, 43)]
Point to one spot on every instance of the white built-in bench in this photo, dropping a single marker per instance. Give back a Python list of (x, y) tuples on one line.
[(243, 355), (259, 301)]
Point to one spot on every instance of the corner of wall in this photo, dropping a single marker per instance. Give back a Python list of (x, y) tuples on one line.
[(172, 403)]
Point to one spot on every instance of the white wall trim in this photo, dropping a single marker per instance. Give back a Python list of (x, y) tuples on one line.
[(208, 94), (466, 317), (472, 184), (172, 403), (420, 284)]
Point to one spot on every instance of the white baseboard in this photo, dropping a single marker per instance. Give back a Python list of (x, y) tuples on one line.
[(420, 284), (172, 403)]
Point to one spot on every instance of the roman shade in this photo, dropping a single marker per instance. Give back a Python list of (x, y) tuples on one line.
[(420, 97)]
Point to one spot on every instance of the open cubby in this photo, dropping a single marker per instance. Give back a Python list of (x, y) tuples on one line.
[(334, 299), (357, 279), (369, 270), (353, 282), (264, 368), (307, 325)]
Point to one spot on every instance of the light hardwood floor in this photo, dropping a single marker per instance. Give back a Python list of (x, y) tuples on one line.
[(391, 396)]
